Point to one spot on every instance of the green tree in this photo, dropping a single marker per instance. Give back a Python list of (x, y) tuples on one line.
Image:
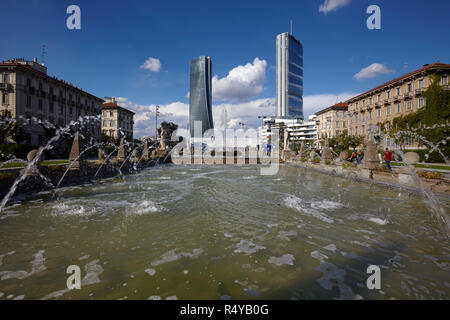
[(344, 141)]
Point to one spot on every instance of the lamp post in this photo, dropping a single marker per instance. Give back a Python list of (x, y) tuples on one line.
[(156, 122)]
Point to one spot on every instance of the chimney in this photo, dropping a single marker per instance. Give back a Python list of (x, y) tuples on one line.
[(35, 59)]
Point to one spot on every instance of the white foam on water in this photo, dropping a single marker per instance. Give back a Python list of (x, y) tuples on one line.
[(143, 207), (247, 247), (172, 255), (330, 247), (37, 265), (150, 271), (185, 271), (326, 204), (286, 234), (172, 298), (272, 225), (379, 221), (284, 259), (154, 298), (362, 244), (303, 207), (319, 256), (227, 235), (86, 256)]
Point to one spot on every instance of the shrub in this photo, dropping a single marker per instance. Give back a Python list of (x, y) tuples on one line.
[(430, 174), (316, 160), (19, 151)]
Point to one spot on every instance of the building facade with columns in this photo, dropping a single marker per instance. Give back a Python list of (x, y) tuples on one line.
[(30, 96), (117, 122), (401, 96)]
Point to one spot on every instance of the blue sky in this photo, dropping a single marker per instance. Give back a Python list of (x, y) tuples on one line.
[(116, 38)]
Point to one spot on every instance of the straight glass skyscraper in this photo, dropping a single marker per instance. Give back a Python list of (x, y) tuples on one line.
[(289, 54), (200, 96)]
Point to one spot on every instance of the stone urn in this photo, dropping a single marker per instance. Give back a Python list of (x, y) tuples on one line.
[(31, 155), (343, 156), (411, 158), (371, 160)]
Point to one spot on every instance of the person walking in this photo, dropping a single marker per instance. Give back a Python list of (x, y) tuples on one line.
[(359, 157), (387, 158)]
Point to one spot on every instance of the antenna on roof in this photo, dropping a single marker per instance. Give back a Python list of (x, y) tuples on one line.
[(405, 66), (44, 53), (291, 28)]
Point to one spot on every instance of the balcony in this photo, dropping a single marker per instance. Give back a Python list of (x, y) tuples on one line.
[(419, 92), (446, 87), (4, 86), (42, 93), (397, 98), (377, 105), (387, 102), (407, 95)]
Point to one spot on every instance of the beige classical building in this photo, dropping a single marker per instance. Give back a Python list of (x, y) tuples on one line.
[(398, 97), (117, 121), (331, 121), (29, 95)]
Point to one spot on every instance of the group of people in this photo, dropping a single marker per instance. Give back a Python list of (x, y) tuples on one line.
[(357, 156)]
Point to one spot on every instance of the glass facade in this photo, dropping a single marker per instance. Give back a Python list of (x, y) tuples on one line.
[(200, 96), (289, 76)]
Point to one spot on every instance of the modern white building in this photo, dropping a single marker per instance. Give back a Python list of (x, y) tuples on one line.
[(289, 77), (298, 130)]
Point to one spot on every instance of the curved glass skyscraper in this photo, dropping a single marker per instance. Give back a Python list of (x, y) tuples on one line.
[(289, 77), (200, 97)]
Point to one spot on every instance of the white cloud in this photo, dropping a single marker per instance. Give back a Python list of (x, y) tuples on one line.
[(241, 83), (152, 64), (332, 5), (317, 102), (226, 115), (374, 70)]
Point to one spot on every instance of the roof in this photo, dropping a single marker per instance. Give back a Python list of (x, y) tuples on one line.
[(61, 82), (113, 106), (436, 65), (341, 106)]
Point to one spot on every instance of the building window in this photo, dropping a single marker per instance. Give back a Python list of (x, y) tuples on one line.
[(379, 113), (5, 98), (337, 124), (388, 110), (344, 124), (5, 78), (409, 105), (370, 100), (379, 97), (444, 80), (389, 94), (28, 82), (61, 111), (50, 107), (40, 86), (70, 110), (28, 101), (40, 105), (399, 109), (421, 102), (357, 105), (420, 84), (409, 87), (351, 131), (398, 91)]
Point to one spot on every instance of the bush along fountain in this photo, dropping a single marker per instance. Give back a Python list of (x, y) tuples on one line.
[(18, 183)]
